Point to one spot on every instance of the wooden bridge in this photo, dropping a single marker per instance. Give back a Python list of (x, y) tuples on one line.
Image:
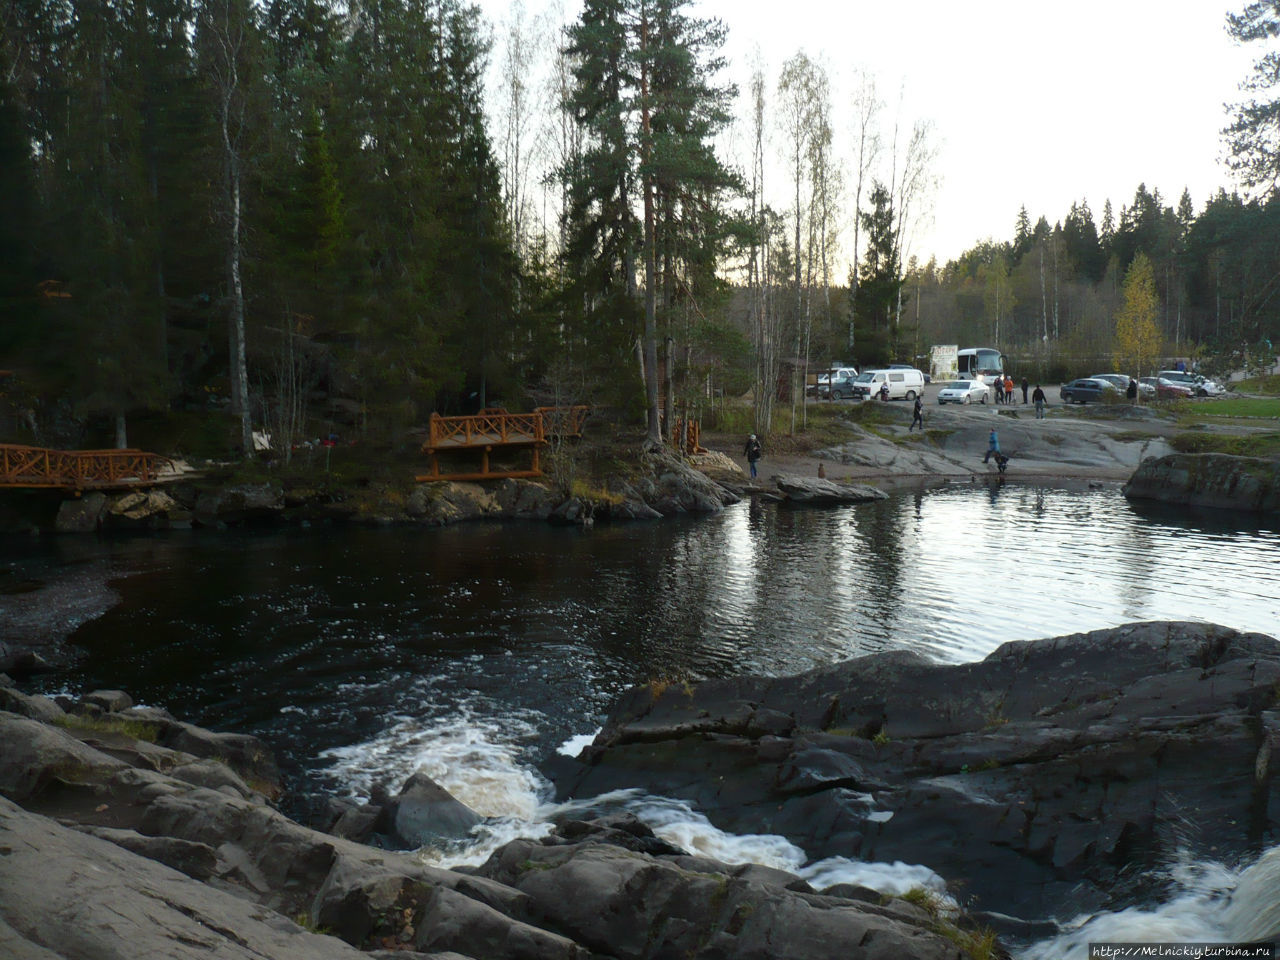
[(77, 469), (497, 429)]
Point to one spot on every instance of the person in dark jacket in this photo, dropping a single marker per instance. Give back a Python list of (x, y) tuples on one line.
[(1038, 399), (752, 451), (1132, 390), (1024, 389), (917, 415)]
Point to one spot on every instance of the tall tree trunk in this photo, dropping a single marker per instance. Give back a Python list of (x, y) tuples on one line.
[(654, 435)]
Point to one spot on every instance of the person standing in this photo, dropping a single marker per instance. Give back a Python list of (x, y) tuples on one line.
[(1038, 399), (752, 451), (917, 415), (1024, 390), (993, 447), (1132, 390), (999, 390), (1008, 388)]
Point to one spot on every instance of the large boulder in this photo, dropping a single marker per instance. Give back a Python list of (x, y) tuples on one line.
[(241, 503), (1214, 480), (69, 895), (1042, 779), (819, 491), (425, 812), (81, 515), (634, 906)]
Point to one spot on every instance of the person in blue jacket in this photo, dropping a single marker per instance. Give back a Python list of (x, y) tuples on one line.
[(993, 447)]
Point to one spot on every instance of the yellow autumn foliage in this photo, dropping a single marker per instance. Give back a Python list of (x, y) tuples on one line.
[(1138, 338)]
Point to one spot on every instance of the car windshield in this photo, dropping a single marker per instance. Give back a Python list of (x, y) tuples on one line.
[(958, 385), (866, 377)]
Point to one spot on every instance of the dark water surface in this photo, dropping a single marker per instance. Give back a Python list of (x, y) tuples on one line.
[(363, 653)]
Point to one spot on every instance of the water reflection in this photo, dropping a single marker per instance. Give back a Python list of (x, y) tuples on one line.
[(323, 638)]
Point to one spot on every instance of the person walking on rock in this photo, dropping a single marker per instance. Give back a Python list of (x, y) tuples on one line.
[(993, 447), (752, 451), (1038, 399), (917, 416)]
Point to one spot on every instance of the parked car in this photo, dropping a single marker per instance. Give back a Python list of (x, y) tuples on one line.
[(907, 366), (840, 389), (819, 388), (1172, 389), (1117, 380), (963, 391), (1147, 388), (1089, 390), (905, 383), (1200, 386)]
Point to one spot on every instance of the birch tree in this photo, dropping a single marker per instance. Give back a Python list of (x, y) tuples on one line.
[(866, 110), (226, 38)]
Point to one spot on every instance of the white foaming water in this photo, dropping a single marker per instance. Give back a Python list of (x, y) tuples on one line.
[(575, 745), (678, 824), (476, 760), (1213, 903), (473, 757)]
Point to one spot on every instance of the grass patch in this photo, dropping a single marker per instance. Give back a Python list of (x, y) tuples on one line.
[(1248, 445), (137, 729), (1268, 385), (1257, 407), (589, 493), (980, 943)]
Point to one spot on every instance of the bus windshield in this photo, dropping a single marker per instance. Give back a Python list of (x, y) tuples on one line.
[(979, 362)]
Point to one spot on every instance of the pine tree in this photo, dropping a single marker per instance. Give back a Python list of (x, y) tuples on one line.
[(880, 281)]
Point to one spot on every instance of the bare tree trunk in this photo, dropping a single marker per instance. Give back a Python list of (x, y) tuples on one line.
[(1044, 302), (654, 435), (228, 40)]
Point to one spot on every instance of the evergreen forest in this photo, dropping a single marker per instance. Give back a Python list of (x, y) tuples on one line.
[(302, 217)]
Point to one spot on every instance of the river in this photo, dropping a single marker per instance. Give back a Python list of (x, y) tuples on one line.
[(361, 654)]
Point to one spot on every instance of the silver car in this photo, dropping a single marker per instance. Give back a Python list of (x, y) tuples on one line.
[(963, 391)]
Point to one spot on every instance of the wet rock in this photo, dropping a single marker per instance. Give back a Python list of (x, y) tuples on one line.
[(35, 707), (19, 662), (1041, 780), (111, 701), (238, 504), (424, 812), (524, 499), (141, 508), (82, 515), (633, 906), (821, 492), (1214, 480), (445, 502)]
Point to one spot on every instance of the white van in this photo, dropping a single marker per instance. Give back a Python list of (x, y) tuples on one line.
[(903, 384)]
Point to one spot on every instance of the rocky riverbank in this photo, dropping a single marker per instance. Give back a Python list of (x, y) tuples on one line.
[(1053, 778), (125, 832), (1211, 480), (1050, 779)]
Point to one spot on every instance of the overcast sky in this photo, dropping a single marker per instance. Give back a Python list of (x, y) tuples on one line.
[(1031, 103)]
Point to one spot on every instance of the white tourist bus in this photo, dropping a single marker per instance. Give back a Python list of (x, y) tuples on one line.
[(979, 363)]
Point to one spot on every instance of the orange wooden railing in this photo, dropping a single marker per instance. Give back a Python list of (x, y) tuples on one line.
[(22, 466), (564, 421), (487, 428), (496, 428)]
